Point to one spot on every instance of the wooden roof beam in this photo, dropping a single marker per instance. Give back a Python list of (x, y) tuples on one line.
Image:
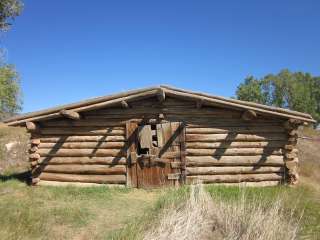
[(125, 104), (70, 114), (161, 95), (249, 115)]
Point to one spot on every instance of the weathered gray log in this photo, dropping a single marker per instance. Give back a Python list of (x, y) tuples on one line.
[(231, 170), (249, 115), (83, 178), (265, 144), (235, 160), (233, 151), (88, 145), (84, 131), (48, 139), (82, 152), (70, 114), (85, 169), (234, 137), (83, 160), (235, 178), (254, 130), (32, 127)]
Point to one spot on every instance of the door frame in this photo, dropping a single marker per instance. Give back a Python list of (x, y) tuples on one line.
[(132, 157)]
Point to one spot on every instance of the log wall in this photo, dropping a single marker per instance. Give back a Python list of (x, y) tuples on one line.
[(220, 146)]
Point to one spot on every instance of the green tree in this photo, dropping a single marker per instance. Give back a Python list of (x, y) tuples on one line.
[(9, 9), (297, 91), (10, 100), (10, 94)]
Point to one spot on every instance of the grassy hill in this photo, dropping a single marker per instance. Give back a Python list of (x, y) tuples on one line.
[(121, 213)]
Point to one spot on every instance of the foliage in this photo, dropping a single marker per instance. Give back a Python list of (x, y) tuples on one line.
[(10, 94), (294, 90), (9, 9)]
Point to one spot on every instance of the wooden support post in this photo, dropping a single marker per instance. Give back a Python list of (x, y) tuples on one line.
[(161, 95), (199, 104), (32, 127), (249, 115), (70, 114), (124, 104)]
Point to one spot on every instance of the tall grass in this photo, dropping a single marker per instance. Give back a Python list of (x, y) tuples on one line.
[(203, 216)]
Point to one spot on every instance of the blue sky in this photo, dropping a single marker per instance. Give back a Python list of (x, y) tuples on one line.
[(67, 51)]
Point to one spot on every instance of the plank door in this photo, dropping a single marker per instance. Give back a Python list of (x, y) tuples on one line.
[(156, 158)]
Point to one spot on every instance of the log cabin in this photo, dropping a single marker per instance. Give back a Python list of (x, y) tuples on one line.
[(163, 136)]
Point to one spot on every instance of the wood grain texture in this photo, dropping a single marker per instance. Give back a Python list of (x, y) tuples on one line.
[(85, 169), (83, 160), (55, 139), (80, 145), (232, 170), (236, 178), (117, 179), (263, 160), (82, 152)]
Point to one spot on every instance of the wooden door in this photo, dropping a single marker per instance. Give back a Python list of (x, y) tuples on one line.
[(156, 158)]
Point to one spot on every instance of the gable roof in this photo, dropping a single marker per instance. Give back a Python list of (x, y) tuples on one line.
[(114, 100)]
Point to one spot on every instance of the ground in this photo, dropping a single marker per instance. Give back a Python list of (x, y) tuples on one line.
[(121, 213)]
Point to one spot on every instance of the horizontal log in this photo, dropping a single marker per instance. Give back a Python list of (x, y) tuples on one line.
[(233, 137), (235, 178), (238, 121), (82, 152), (84, 123), (233, 151), (250, 184), (112, 131), (47, 139), (264, 144), (255, 130), (231, 170), (235, 161), (83, 178), (213, 112), (75, 184), (88, 145), (85, 169), (83, 160)]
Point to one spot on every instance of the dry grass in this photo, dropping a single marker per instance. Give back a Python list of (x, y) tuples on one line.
[(13, 159), (204, 217), (309, 158)]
